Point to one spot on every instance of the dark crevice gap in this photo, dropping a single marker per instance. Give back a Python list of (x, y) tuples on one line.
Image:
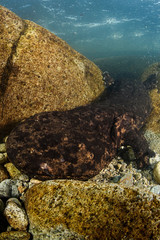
[(8, 69)]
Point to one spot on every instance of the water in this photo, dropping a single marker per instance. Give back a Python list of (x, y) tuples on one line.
[(99, 29)]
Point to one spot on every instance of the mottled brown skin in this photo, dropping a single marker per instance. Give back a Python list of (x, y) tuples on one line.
[(78, 143)]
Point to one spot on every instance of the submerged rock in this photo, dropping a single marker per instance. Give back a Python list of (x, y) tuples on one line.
[(14, 173), (152, 129), (8, 188), (94, 211), (15, 214), (40, 72)]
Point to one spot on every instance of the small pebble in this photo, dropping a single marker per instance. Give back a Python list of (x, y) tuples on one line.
[(33, 182), (16, 215), (2, 147), (156, 172), (155, 189), (127, 180), (8, 189), (24, 178), (22, 186), (154, 160), (13, 171), (15, 200), (138, 176), (123, 168), (110, 166), (115, 179)]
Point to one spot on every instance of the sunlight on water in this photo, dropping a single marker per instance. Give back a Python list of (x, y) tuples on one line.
[(98, 29)]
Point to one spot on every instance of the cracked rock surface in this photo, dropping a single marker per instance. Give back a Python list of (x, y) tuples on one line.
[(40, 72)]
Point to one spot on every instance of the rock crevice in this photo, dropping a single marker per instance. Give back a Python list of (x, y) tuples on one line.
[(9, 67)]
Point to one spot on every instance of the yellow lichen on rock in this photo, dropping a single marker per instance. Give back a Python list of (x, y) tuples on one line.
[(12, 170), (41, 72), (94, 211)]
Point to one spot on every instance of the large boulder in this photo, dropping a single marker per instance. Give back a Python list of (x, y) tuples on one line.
[(40, 72), (91, 211)]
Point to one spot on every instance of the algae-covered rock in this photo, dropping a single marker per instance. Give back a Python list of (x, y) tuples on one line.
[(94, 211), (40, 72), (152, 73), (152, 129), (12, 170)]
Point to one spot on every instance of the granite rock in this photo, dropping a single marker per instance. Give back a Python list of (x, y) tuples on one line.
[(40, 72), (8, 188), (15, 214), (94, 211)]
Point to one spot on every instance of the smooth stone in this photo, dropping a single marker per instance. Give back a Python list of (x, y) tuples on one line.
[(95, 211), (8, 189), (156, 172), (154, 160), (2, 148), (15, 235), (155, 189), (15, 214), (3, 173), (14, 200), (13, 171), (43, 72)]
